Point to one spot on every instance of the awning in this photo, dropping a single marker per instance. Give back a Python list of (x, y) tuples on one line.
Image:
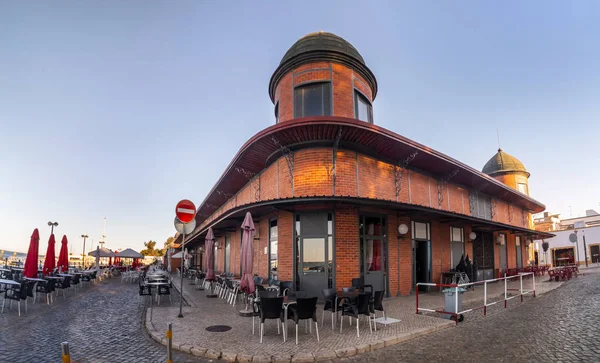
[(103, 252), (129, 253)]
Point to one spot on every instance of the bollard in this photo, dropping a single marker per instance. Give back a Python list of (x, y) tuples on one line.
[(66, 356), (169, 337)]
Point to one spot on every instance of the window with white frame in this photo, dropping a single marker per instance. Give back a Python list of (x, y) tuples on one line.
[(457, 245)]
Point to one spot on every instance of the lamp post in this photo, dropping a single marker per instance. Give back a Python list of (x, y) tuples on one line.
[(84, 236), (52, 225)]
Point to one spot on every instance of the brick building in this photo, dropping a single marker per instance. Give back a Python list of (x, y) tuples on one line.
[(335, 197)]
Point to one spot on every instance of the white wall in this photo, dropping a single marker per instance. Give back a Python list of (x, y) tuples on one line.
[(592, 236)]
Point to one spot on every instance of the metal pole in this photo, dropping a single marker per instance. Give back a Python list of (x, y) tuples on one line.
[(584, 249), (521, 282), (505, 290), (66, 356), (484, 298), (181, 274), (169, 337), (83, 254)]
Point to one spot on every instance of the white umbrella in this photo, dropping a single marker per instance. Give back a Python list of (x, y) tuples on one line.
[(102, 252)]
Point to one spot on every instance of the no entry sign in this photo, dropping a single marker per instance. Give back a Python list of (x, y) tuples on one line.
[(185, 210)]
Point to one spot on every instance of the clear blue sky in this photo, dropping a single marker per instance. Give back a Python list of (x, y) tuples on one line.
[(119, 109)]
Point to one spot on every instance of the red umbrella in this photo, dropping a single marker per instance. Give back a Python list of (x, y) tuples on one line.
[(50, 261), (31, 263), (63, 255), (110, 261), (247, 284), (117, 259)]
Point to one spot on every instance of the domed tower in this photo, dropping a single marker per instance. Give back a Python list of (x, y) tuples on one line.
[(322, 75), (508, 170)]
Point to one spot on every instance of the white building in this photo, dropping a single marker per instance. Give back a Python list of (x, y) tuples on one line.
[(561, 247)]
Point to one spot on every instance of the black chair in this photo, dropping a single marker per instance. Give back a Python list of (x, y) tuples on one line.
[(355, 310), (296, 294), (359, 283), (46, 287), (164, 290), (18, 294), (64, 284), (377, 305), (30, 290), (271, 308), (255, 312), (304, 309), (145, 290), (75, 281), (285, 286), (329, 297)]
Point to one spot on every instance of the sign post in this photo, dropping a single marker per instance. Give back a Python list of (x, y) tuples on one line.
[(185, 223)]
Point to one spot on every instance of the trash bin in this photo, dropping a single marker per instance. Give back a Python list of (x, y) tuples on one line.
[(450, 301)]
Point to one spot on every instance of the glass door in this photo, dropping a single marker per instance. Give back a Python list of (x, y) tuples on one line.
[(373, 265)]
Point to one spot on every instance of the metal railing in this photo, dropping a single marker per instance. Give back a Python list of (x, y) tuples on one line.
[(456, 314)]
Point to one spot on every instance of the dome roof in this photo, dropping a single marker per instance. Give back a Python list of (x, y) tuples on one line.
[(504, 163), (322, 47), (322, 41)]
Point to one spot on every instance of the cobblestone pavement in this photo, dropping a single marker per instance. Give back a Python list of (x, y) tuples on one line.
[(101, 322), (560, 326)]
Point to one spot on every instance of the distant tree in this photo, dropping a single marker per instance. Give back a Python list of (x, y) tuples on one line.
[(168, 244), (150, 249)]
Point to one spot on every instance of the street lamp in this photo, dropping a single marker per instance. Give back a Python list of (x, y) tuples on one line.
[(84, 236), (52, 225)]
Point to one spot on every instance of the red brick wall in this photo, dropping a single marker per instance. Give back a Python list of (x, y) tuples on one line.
[(343, 93), (511, 251), (419, 189), (406, 282), (268, 182), (376, 179), (284, 189), (284, 94), (345, 182), (362, 86), (346, 246), (312, 172), (312, 76), (455, 202)]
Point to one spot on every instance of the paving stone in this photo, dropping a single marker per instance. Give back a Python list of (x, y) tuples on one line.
[(281, 358), (377, 345), (363, 348), (303, 358), (199, 352), (185, 348), (212, 354), (325, 355), (261, 359), (390, 341), (345, 352), (244, 358), (228, 356)]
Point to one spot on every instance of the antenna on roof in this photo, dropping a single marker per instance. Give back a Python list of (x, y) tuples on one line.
[(498, 135)]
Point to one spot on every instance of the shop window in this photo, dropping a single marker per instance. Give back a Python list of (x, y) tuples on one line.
[(457, 245), (362, 108), (273, 260), (313, 99), (522, 187)]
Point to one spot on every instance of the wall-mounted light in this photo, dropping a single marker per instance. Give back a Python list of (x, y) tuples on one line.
[(472, 236), (217, 244), (201, 249), (500, 240), (402, 230)]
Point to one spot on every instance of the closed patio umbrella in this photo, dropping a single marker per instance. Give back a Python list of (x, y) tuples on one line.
[(210, 260), (97, 256), (63, 255), (50, 261), (31, 263), (247, 283)]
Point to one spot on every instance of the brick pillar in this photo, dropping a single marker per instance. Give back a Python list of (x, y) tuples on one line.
[(406, 282), (285, 246), (393, 254), (346, 246)]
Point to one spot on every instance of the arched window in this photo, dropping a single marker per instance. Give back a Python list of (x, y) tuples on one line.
[(362, 108)]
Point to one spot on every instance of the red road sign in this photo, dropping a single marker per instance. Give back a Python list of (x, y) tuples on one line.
[(185, 210)]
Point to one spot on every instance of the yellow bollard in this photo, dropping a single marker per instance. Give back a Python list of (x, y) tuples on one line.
[(66, 356), (169, 337)]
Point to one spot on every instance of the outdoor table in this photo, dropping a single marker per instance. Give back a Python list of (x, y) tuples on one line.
[(157, 284), (8, 282), (4, 269), (34, 279), (54, 277), (65, 275)]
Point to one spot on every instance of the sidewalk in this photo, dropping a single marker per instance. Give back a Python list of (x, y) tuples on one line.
[(238, 344)]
